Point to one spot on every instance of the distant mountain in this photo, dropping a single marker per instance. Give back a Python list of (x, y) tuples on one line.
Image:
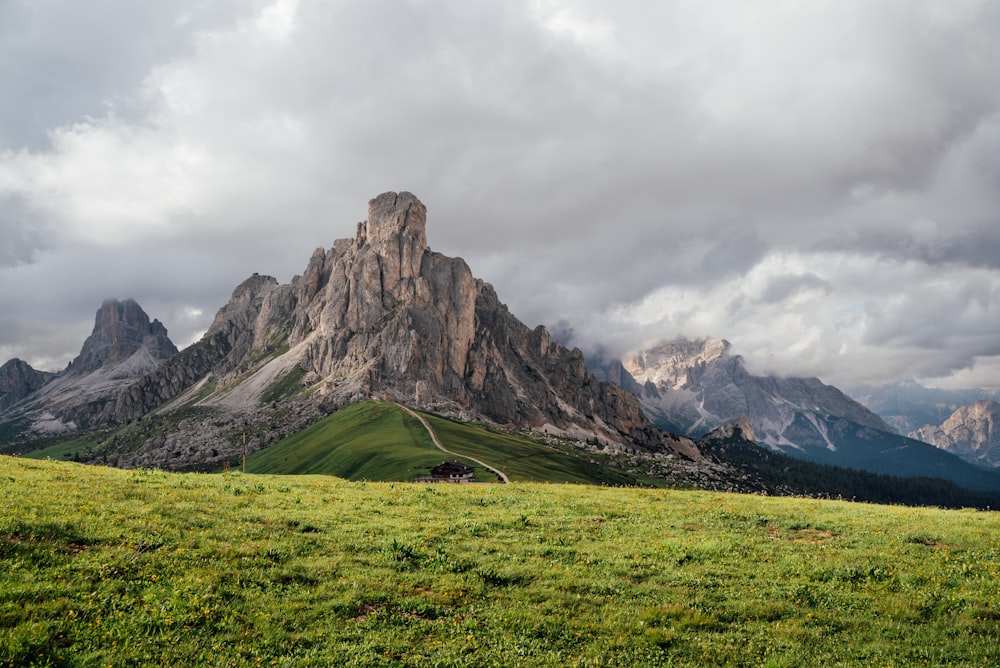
[(972, 432), (698, 385), (692, 387), (123, 347), (777, 473), (18, 379), (123, 339), (908, 405)]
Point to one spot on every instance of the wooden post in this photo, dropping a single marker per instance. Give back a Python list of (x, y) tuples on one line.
[(244, 451)]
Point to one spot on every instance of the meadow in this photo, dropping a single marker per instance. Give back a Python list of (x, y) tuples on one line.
[(380, 441), (110, 567)]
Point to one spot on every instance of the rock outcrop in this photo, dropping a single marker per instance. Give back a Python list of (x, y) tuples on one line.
[(18, 379), (738, 430), (123, 347), (382, 315), (972, 432), (122, 330)]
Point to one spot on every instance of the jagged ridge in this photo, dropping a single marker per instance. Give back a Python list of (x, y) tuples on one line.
[(383, 315), (122, 348)]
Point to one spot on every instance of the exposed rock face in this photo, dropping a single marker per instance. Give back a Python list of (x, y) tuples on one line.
[(123, 347), (122, 329), (384, 309), (381, 315), (738, 430), (696, 386), (908, 406), (18, 379), (971, 432), (676, 364)]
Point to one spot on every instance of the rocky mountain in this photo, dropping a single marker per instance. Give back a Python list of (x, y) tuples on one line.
[(696, 386), (124, 339), (972, 432), (123, 347), (693, 387), (379, 315), (908, 405), (18, 379)]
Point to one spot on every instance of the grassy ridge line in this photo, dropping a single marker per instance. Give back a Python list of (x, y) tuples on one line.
[(102, 566), (526, 461), (437, 443), (364, 441), (380, 441)]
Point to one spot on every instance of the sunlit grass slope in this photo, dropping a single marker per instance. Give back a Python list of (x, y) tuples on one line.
[(528, 461), (364, 441), (380, 441), (110, 567)]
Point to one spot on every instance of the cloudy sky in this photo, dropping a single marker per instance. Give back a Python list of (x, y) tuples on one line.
[(816, 181)]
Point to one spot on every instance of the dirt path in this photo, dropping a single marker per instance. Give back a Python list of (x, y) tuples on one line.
[(430, 430)]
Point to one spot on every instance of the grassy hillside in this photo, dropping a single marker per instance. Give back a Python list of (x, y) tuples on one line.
[(364, 441), (380, 441), (77, 449), (527, 461), (110, 567)]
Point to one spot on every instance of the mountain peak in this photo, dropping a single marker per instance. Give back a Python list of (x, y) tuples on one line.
[(669, 363), (121, 328), (392, 215), (18, 379), (395, 230), (698, 385)]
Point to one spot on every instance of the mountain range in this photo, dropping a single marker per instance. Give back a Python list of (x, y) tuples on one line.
[(690, 387), (382, 316), (908, 405), (379, 315), (958, 421)]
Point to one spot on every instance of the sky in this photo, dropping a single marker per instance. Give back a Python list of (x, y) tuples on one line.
[(816, 181)]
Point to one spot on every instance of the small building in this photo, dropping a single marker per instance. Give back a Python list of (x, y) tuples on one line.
[(449, 472)]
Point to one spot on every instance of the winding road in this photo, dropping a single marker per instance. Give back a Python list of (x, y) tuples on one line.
[(430, 430)]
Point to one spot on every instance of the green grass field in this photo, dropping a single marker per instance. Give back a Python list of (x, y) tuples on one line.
[(380, 441), (126, 568), (67, 450), (364, 441), (524, 460)]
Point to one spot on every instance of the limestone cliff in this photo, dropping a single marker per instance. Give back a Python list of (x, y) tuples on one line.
[(972, 432), (123, 333), (18, 379), (124, 346), (381, 315)]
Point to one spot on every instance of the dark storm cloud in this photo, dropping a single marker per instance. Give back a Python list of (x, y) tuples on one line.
[(786, 175)]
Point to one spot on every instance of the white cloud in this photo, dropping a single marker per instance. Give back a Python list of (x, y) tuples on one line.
[(278, 20), (817, 182), (563, 20)]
